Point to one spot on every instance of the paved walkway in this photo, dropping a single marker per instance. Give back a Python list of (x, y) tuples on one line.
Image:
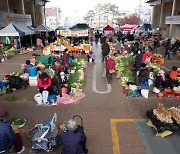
[(108, 116)]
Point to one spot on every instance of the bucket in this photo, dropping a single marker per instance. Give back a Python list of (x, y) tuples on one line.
[(32, 71)]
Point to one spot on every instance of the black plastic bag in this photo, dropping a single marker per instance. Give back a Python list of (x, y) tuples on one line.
[(17, 83)]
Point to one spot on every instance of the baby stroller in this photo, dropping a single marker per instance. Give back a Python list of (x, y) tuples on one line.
[(45, 137)]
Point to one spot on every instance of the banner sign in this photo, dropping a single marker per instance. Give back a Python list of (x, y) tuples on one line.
[(7, 18), (77, 33), (173, 20)]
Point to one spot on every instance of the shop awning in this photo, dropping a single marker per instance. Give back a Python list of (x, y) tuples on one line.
[(43, 28), (11, 30)]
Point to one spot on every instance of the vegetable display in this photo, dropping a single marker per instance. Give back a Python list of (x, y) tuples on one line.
[(17, 122)]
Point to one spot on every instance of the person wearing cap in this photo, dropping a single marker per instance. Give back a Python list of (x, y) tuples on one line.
[(63, 83), (73, 140), (110, 68), (9, 136)]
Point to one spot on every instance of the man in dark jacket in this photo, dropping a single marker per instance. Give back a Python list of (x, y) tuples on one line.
[(9, 136), (105, 50), (143, 74)]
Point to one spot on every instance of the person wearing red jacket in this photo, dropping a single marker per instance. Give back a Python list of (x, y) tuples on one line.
[(110, 68), (147, 57), (45, 83)]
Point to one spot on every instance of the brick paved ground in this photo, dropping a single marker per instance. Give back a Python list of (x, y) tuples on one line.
[(95, 109)]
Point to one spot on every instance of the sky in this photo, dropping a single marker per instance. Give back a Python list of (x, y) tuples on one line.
[(75, 10)]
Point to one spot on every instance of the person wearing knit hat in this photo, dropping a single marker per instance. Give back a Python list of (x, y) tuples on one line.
[(9, 136)]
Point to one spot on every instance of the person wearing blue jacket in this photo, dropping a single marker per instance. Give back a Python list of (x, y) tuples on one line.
[(9, 136)]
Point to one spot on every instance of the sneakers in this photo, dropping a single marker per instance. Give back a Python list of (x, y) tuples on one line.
[(23, 148)]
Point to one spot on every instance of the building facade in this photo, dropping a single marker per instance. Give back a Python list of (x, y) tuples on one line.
[(34, 8), (166, 16), (53, 16)]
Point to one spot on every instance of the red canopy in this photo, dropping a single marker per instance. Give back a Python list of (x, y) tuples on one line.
[(108, 29), (128, 27)]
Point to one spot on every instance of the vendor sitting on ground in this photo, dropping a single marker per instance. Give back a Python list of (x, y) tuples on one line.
[(143, 74), (9, 136), (174, 73), (168, 83), (26, 68), (160, 79), (63, 83), (44, 83), (74, 140)]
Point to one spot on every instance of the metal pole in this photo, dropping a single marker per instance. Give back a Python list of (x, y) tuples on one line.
[(45, 13)]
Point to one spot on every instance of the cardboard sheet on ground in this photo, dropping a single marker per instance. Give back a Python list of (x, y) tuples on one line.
[(162, 135), (68, 100)]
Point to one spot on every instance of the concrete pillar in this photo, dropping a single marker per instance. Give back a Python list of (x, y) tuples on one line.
[(155, 16), (3, 5), (39, 14), (7, 6), (161, 22), (175, 29), (29, 9), (17, 6)]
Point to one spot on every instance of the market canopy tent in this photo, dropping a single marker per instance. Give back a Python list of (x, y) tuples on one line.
[(25, 29), (128, 27), (108, 29), (43, 28), (143, 28), (80, 26), (11, 30), (33, 29)]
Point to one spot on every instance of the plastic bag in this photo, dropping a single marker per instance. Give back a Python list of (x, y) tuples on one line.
[(150, 82), (45, 95), (38, 99), (145, 93), (132, 87), (155, 90)]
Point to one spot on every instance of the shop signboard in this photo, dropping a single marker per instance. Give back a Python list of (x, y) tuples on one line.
[(173, 20), (75, 33), (7, 18)]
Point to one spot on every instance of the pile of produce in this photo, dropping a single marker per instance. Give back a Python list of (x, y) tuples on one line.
[(11, 98), (8, 50), (77, 64), (123, 64), (76, 78), (17, 122), (155, 68), (167, 115)]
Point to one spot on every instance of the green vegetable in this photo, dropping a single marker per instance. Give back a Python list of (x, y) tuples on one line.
[(17, 121), (11, 98)]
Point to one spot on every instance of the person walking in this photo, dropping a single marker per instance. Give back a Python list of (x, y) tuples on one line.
[(105, 50), (168, 48), (110, 68)]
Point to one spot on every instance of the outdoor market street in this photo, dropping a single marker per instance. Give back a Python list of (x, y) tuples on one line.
[(112, 122)]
